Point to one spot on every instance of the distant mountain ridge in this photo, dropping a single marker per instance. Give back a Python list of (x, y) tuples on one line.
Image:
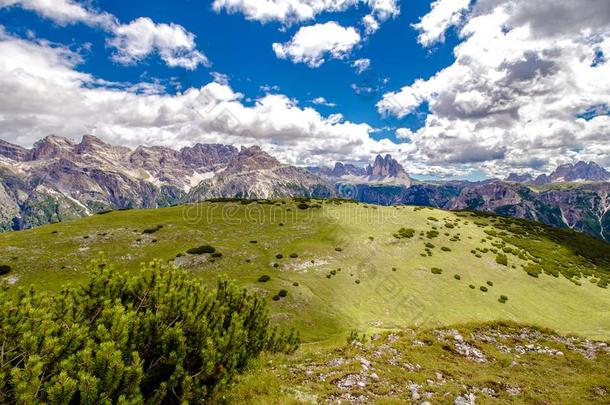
[(579, 171), (59, 179), (384, 170)]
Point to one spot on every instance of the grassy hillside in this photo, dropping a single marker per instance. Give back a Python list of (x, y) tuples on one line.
[(491, 363), (344, 266)]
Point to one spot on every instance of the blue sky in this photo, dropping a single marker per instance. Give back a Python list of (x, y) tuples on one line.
[(242, 50), (457, 88)]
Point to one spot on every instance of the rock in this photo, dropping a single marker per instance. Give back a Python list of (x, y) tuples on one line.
[(466, 399)]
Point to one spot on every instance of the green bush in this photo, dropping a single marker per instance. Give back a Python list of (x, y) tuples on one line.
[(302, 206), (333, 272), (429, 245), (405, 233), (201, 250), (282, 293), (155, 337), (472, 286), (276, 265), (338, 249), (503, 299), (445, 249), (294, 255), (264, 278), (253, 241), (431, 234), (436, 270), (357, 281), (295, 284), (483, 288), (279, 256), (216, 254), (489, 283), (457, 277), (276, 297), (4, 269), (152, 230)]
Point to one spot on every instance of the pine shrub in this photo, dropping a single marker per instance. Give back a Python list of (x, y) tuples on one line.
[(4, 269), (264, 278), (282, 293), (201, 250), (154, 337)]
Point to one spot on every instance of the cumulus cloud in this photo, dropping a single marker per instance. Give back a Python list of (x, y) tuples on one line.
[(360, 65), (63, 12), (444, 14), (133, 42), (311, 44), (323, 101), (49, 95), (524, 77), (140, 38), (298, 11)]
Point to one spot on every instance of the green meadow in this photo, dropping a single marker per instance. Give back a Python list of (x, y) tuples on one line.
[(343, 266)]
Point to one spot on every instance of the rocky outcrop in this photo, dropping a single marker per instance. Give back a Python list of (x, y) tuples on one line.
[(253, 173)]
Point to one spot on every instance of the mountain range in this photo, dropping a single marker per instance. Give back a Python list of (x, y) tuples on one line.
[(59, 179)]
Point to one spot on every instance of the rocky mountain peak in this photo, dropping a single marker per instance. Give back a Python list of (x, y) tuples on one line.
[(252, 158), (94, 146), (51, 147), (208, 155), (13, 152), (386, 168), (347, 169), (519, 178), (579, 171)]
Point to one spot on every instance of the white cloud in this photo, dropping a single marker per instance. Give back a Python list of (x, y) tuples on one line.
[(404, 134), (360, 65), (298, 11), (133, 42), (311, 44), (48, 95), (140, 38), (523, 74), (220, 78), (63, 12), (444, 14), (323, 101)]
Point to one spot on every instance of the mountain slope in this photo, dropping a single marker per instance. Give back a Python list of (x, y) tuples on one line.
[(353, 266)]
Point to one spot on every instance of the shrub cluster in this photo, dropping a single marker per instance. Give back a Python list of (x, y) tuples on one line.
[(4, 269), (404, 233), (502, 259), (155, 337), (152, 230), (201, 250)]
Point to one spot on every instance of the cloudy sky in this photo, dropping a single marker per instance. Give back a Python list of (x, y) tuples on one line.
[(451, 88)]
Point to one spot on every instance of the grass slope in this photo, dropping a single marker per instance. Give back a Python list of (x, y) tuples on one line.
[(352, 270), (493, 363)]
